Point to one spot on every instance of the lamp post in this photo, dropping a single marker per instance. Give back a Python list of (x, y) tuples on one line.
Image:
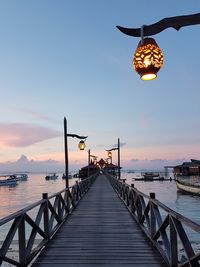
[(81, 146), (90, 156), (110, 156)]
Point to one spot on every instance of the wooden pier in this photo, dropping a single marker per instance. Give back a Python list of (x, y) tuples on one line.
[(100, 232), (100, 221)]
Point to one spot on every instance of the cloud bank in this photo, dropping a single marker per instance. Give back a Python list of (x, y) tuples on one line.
[(24, 134), (23, 164), (152, 164)]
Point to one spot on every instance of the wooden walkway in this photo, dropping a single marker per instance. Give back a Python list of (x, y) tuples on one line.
[(100, 232)]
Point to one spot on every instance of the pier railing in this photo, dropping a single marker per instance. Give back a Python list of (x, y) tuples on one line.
[(31, 228), (171, 233)]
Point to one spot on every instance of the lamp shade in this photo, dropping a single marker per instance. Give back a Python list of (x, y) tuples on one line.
[(109, 154), (81, 145), (148, 59)]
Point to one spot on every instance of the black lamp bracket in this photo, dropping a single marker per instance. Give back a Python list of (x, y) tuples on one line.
[(174, 22), (116, 148), (77, 136)]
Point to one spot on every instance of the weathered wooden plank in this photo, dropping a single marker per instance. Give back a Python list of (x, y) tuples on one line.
[(98, 265), (100, 232)]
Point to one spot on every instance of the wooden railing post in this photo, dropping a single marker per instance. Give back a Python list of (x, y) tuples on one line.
[(131, 199), (127, 196), (152, 215), (46, 214), (77, 191), (59, 208), (22, 242), (173, 244), (124, 190)]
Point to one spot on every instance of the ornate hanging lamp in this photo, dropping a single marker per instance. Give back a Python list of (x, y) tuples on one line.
[(109, 154), (148, 58), (81, 145)]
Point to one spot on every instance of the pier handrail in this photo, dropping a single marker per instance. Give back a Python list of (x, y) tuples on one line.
[(42, 223), (163, 226)]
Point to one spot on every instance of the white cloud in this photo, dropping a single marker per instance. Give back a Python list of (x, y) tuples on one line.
[(23, 164)]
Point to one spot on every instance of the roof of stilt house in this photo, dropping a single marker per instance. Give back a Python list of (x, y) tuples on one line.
[(101, 163), (194, 162), (91, 166)]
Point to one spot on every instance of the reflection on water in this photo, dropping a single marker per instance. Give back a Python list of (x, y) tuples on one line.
[(14, 198)]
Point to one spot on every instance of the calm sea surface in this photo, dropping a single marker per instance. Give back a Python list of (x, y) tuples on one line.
[(26, 192), (14, 198)]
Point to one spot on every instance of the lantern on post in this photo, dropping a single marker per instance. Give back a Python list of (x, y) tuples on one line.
[(148, 58), (109, 154), (81, 145)]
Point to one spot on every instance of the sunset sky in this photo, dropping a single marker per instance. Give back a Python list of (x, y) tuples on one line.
[(67, 58)]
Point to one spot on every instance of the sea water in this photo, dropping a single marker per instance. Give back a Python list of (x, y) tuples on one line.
[(14, 198)]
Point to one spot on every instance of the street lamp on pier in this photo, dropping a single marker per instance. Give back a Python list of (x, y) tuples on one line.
[(110, 156), (81, 146), (89, 157)]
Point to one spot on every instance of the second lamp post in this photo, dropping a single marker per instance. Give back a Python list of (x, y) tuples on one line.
[(81, 146), (110, 156), (89, 157)]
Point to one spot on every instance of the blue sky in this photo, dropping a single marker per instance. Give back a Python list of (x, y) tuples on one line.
[(67, 58)]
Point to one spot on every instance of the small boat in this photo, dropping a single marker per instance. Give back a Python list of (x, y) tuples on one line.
[(130, 171), (51, 176), (10, 180), (150, 178), (69, 176), (188, 187), (21, 176)]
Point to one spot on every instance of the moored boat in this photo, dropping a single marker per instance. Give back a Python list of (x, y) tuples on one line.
[(51, 176), (150, 179), (10, 180), (21, 176), (69, 176), (150, 176), (187, 187)]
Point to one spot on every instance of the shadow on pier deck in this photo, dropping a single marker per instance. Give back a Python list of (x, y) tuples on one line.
[(100, 232)]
